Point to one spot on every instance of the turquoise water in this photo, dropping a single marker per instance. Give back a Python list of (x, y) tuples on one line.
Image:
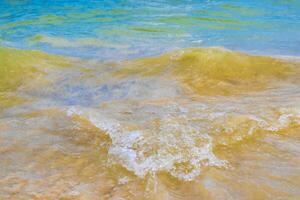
[(129, 29)]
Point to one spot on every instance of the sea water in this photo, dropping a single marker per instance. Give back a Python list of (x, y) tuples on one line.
[(149, 99)]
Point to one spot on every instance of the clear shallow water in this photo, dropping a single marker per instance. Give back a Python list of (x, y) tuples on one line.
[(126, 29), (101, 119)]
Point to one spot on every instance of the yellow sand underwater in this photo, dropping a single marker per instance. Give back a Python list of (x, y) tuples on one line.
[(199, 123)]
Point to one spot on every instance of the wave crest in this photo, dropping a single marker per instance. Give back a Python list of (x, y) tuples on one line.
[(211, 71)]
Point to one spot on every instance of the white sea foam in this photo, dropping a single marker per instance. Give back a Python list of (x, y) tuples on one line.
[(182, 141)]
